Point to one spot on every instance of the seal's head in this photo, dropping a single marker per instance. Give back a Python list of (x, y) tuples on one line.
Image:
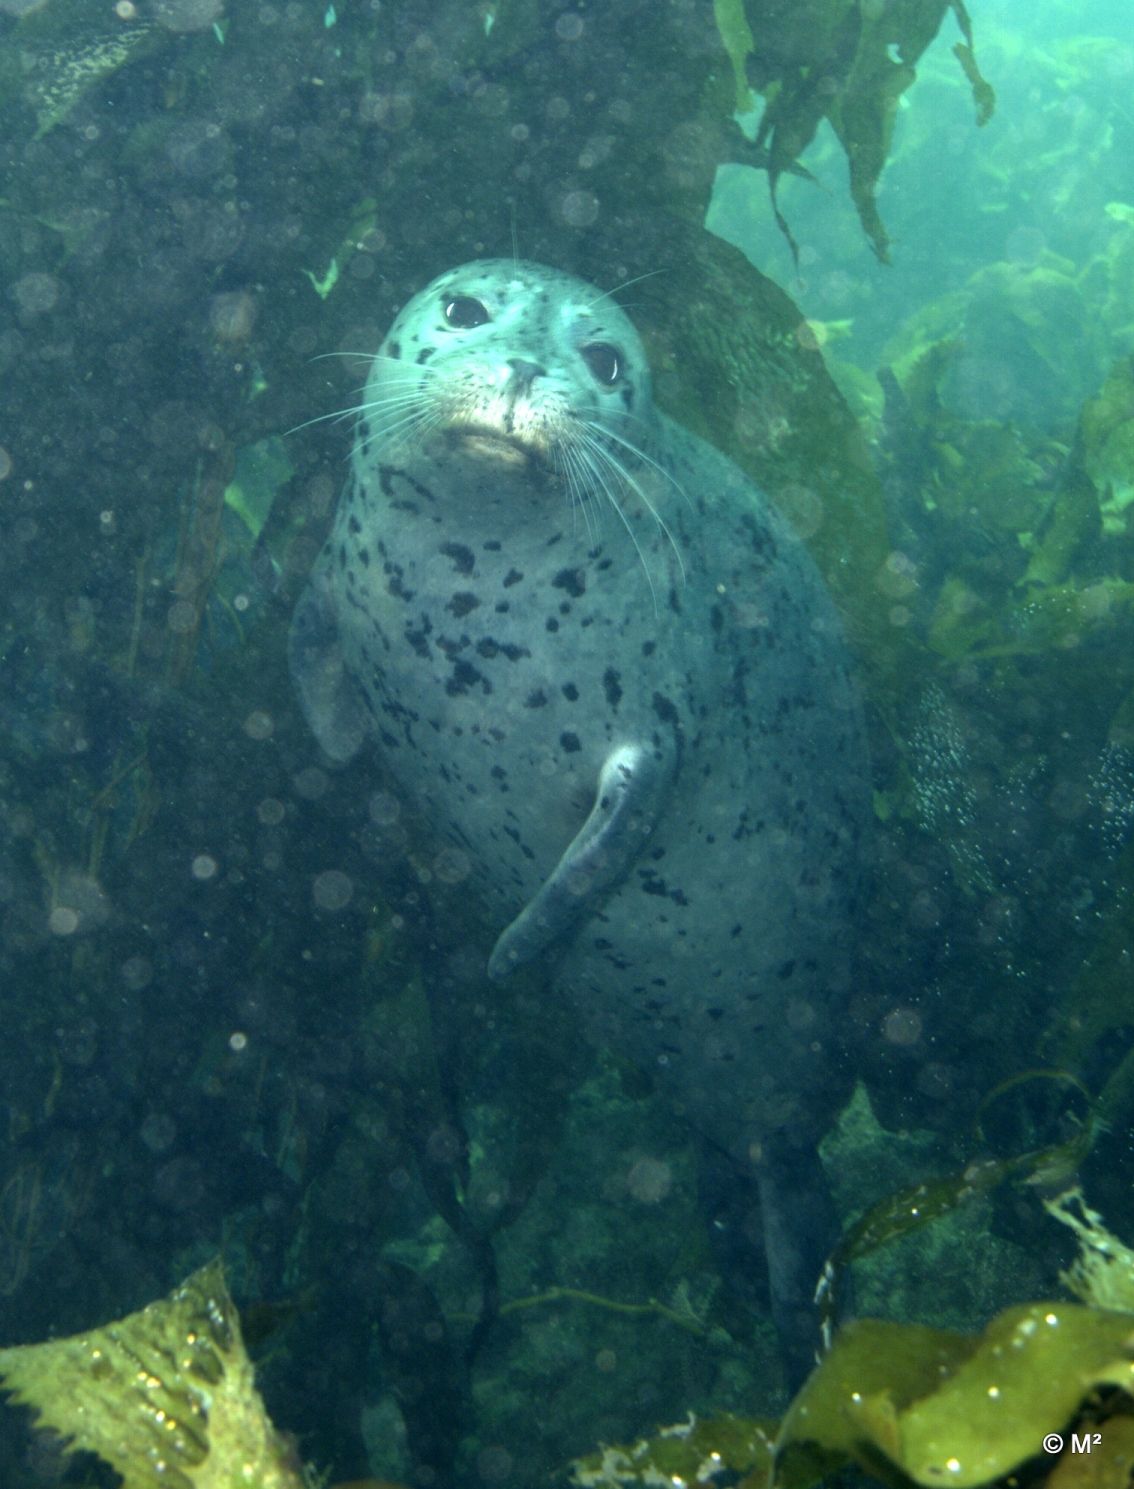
[(514, 363)]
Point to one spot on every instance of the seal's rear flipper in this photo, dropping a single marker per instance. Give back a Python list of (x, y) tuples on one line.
[(327, 695), (801, 1230), (631, 789)]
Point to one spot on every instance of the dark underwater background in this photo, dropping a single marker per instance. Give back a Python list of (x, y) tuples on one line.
[(243, 997)]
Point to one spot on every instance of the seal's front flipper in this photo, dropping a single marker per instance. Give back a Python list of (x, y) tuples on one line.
[(327, 695), (631, 789)]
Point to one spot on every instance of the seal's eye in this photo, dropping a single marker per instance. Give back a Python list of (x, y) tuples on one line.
[(605, 362), (463, 313)]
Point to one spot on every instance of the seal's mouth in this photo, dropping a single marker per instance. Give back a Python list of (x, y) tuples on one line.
[(488, 445), (495, 446)]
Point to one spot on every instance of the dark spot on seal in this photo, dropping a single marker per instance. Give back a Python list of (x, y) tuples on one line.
[(462, 602), (610, 686), (354, 526), (551, 623), (462, 557), (715, 1013), (652, 884), (574, 581), (665, 709), (394, 349), (488, 648), (492, 546), (465, 676), (424, 354), (570, 692), (784, 972), (648, 648), (536, 699), (570, 743), (418, 639), (716, 617), (513, 576)]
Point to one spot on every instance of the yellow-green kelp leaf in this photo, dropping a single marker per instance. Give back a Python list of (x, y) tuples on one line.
[(166, 1396), (958, 1409)]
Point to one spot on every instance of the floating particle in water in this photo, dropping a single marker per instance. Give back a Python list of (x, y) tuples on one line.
[(311, 783), (1110, 793), (136, 972), (158, 1132), (902, 1026), (569, 27), (802, 508), (384, 809), (606, 1360), (36, 294), (238, 1041), (232, 315), (204, 866), (494, 1464), (182, 617), (579, 208), (63, 921), (271, 811), (333, 890), (452, 866), (259, 725), (1068, 800), (925, 911), (649, 1180)]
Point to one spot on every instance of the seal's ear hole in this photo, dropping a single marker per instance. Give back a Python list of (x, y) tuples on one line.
[(464, 313), (605, 362)]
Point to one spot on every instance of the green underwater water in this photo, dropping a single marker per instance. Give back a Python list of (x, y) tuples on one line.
[(245, 1010)]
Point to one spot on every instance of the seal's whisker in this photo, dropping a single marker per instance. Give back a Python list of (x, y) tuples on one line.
[(576, 489), (614, 502), (341, 415), (641, 454), (610, 294), (418, 422), (617, 465)]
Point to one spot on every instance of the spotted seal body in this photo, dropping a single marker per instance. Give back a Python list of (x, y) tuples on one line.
[(599, 662)]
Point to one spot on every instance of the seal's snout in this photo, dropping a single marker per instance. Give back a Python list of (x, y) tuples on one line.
[(524, 374)]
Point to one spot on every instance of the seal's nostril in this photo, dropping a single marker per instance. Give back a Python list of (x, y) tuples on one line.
[(525, 373)]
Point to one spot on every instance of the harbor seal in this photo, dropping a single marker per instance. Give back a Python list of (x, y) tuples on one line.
[(603, 667)]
